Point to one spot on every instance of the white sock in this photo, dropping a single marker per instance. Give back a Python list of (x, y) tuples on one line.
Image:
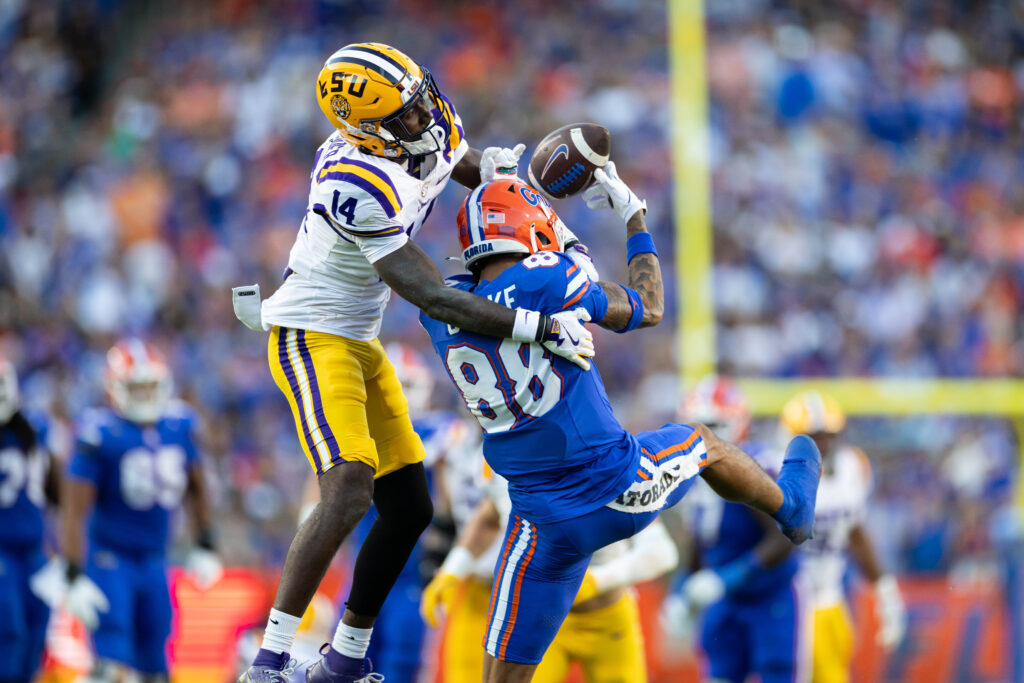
[(280, 633), (351, 641)]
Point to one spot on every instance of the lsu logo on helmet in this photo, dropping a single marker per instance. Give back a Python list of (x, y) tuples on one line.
[(365, 90)]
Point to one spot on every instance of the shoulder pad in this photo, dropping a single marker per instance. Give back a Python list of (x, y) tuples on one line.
[(362, 195)]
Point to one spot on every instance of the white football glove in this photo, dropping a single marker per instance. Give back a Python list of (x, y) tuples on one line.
[(204, 567), (609, 192), (50, 583), (85, 601), (703, 588), (500, 161), (571, 339), (892, 614)]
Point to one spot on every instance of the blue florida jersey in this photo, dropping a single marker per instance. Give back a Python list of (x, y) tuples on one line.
[(140, 473), (548, 426), (24, 460), (725, 531)]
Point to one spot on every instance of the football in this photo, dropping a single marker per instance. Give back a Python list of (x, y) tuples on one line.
[(564, 161)]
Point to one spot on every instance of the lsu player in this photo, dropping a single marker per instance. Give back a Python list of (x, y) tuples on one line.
[(578, 481), (602, 631), (838, 530), (28, 480), (132, 467), (755, 611), (373, 184)]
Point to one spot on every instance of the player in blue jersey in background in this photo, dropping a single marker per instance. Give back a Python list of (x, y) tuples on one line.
[(27, 483), (745, 583), (578, 481), (131, 469)]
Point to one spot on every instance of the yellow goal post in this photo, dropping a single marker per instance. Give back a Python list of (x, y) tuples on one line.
[(695, 336)]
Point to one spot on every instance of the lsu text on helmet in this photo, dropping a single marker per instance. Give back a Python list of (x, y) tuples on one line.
[(719, 403), (811, 412), (365, 90), (9, 400), (506, 217), (138, 381), (416, 378)]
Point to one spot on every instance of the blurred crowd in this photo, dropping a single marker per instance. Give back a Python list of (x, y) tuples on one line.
[(866, 217)]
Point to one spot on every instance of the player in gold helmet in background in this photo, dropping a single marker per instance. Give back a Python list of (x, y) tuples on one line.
[(839, 527)]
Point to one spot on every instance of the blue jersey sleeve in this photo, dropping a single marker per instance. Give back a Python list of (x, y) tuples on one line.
[(185, 419), (86, 462)]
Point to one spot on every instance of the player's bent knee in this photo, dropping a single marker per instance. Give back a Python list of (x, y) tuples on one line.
[(346, 490), (712, 443)]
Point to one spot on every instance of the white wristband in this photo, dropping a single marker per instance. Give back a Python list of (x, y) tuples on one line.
[(458, 563), (526, 325)]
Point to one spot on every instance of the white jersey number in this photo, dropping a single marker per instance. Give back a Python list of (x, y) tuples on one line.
[(19, 471), (499, 392), (151, 478)]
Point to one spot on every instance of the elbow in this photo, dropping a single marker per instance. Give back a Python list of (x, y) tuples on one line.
[(432, 302), (653, 313)]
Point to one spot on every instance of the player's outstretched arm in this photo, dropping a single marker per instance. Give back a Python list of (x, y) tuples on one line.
[(641, 303), (644, 280), (410, 272)]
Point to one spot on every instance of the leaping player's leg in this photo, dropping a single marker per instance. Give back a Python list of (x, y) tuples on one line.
[(790, 501), (322, 376), (537, 576), (404, 511)]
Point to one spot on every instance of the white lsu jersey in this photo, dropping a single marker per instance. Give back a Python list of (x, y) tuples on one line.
[(842, 497), (361, 208)]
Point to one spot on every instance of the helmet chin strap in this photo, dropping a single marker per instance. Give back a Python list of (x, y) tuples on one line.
[(533, 238)]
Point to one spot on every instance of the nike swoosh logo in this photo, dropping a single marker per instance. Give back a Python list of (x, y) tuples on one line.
[(275, 622), (569, 336), (561, 150)]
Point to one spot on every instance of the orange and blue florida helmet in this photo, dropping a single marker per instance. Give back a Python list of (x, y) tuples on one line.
[(506, 216)]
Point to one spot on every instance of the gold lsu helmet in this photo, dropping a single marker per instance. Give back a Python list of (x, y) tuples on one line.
[(811, 412), (364, 90)]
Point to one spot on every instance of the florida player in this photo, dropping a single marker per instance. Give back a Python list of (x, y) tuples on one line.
[(839, 529), (27, 483), (373, 184), (133, 464), (578, 481), (745, 580), (602, 632)]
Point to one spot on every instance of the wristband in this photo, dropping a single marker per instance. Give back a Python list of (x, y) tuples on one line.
[(637, 304), (640, 243), (72, 571), (204, 539), (530, 326), (458, 563)]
